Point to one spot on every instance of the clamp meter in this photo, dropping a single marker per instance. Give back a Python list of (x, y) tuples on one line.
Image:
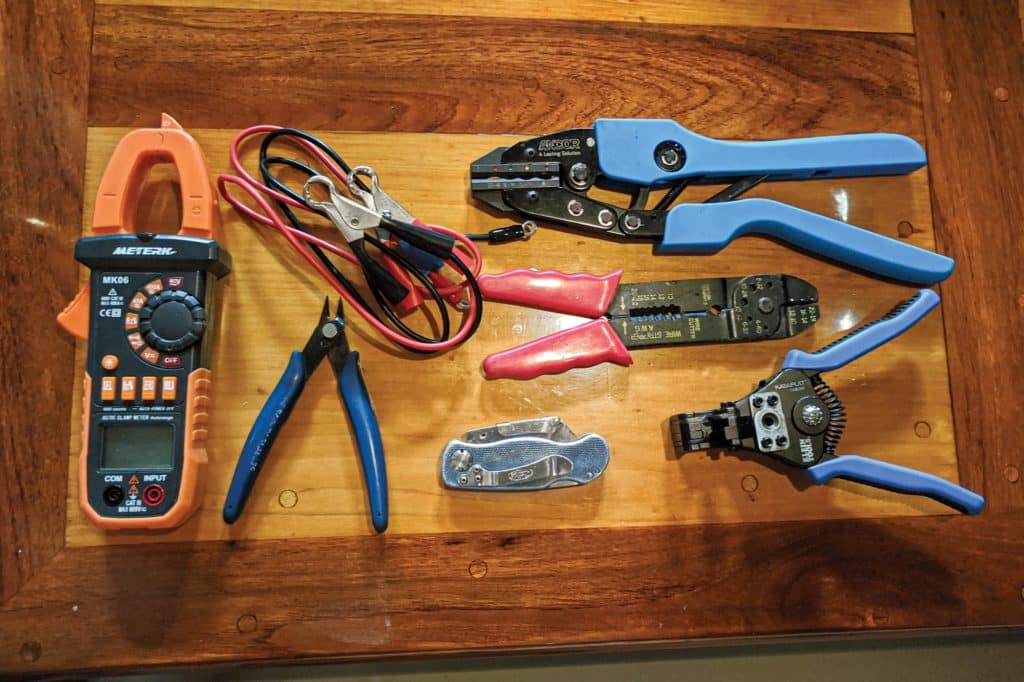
[(147, 312)]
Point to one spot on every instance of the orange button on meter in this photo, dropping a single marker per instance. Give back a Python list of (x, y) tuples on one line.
[(150, 355), (137, 301), (136, 341), (127, 389), (109, 362), (154, 287), (149, 388), (131, 321), (169, 389), (107, 388)]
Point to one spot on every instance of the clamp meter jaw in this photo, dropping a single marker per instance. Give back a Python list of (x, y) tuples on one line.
[(147, 312)]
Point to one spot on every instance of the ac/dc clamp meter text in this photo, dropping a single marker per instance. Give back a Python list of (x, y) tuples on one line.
[(147, 312)]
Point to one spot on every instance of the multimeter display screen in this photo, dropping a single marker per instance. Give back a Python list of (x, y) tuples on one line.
[(141, 446)]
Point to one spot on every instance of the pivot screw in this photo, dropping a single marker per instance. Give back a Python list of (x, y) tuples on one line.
[(461, 459), (766, 443), (329, 330), (530, 152), (781, 441), (579, 173), (812, 415), (773, 400), (758, 401), (606, 218), (765, 305), (632, 222), (669, 156), (575, 208)]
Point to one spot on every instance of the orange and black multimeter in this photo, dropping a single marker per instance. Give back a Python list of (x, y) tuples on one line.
[(146, 311)]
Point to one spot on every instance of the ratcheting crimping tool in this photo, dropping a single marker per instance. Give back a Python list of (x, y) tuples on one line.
[(328, 340), (796, 418), (645, 314), (548, 178)]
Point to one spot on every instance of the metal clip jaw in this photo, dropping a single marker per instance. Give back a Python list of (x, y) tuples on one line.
[(350, 217), (531, 454), (377, 200)]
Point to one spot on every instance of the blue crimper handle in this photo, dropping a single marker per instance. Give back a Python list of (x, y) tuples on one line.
[(261, 437), (898, 479), (626, 152), (367, 432), (865, 339), (706, 228)]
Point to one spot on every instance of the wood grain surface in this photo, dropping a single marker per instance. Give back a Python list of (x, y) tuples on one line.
[(44, 69), (982, 235), (881, 16), (424, 593), (456, 74), (897, 398)]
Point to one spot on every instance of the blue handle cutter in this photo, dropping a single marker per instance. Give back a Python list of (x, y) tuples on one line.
[(328, 340), (549, 177), (796, 418)]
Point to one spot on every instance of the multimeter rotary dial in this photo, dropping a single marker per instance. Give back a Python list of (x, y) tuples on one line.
[(172, 321)]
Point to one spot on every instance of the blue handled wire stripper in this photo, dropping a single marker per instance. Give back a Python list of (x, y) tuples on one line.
[(548, 178), (796, 418), (328, 340)]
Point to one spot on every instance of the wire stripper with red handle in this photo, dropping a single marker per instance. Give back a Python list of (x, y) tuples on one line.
[(641, 315)]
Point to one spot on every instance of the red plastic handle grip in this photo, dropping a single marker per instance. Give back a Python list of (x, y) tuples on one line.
[(579, 293), (583, 346)]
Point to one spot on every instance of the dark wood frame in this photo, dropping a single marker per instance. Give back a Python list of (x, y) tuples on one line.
[(342, 599)]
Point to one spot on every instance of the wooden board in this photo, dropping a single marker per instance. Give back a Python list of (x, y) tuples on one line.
[(78, 608), (897, 398), (882, 17)]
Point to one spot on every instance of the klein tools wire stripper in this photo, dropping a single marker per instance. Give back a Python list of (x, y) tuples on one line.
[(795, 417), (548, 178), (715, 310), (328, 340)]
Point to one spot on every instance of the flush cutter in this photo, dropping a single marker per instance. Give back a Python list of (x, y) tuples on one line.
[(796, 418), (645, 314), (548, 178), (328, 340)]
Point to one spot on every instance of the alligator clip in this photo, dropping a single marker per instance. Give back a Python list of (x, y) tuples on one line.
[(531, 454), (796, 418), (327, 341), (548, 178), (717, 310)]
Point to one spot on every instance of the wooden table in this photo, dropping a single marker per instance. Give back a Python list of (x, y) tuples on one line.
[(660, 551)]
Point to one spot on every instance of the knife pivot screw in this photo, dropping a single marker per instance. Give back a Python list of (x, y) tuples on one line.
[(461, 460), (575, 208), (606, 218), (812, 414), (669, 156), (773, 400), (765, 304), (758, 401), (632, 222), (781, 441), (579, 173), (766, 443)]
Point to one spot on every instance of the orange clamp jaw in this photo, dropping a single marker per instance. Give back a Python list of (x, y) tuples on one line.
[(140, 150)]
